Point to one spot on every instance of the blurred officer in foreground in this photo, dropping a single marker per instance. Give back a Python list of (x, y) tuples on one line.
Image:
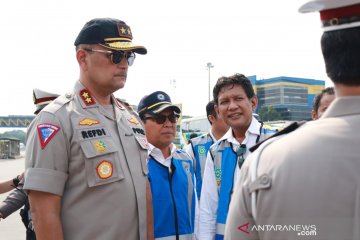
[(305, 185), (86, 172), (235, 101), (18, 198), (171, 173), (199, 146), (322, 102)]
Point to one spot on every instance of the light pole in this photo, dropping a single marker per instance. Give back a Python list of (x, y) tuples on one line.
[(209, 65)]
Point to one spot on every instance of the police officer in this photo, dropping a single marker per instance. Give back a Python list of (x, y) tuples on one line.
[(86, 155), (235, 101), (305, 185), (171, 173), (18, 197), (199, 146)]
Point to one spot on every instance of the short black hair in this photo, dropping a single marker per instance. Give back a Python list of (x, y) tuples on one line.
[(341, 51), (237, 79), (210, 110), (317, 98)]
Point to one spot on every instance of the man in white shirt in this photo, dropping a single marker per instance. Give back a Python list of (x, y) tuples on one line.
[(171, 173), (235, 101)]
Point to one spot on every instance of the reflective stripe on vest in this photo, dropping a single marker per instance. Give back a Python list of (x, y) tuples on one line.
[(200, 147), (172, 193), (181, 237), (224, 165), (220, 231)]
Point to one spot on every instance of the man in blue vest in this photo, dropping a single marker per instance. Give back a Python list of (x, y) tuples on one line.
[(171, 173), (235, 101), (198, 147)]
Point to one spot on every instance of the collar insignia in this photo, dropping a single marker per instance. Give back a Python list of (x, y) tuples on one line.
[(86, 97)]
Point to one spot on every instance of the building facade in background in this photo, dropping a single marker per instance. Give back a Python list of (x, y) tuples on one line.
[(291, 97)]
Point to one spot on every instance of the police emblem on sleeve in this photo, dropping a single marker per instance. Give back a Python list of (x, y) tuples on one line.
[(46, 132), (104, 169)]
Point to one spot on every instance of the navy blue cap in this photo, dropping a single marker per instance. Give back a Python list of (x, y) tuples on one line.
[(155, 103), (110, 33)]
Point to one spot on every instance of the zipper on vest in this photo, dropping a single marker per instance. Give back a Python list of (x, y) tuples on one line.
[(170, 172)]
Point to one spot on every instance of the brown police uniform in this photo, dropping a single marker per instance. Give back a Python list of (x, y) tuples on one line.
[(96, 161), (308, 182)]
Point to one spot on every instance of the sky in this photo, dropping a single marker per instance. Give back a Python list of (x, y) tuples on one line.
[(258, 37)]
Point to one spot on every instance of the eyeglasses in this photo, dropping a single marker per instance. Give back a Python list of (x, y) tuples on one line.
[(240, 152), (160, 119), (116, 56)]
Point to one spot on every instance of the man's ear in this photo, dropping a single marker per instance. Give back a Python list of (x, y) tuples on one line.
[(254, 102), (81, 57), (313, 115)]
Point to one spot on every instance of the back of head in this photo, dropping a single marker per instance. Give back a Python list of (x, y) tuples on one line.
[(237, 79), (341, 38)]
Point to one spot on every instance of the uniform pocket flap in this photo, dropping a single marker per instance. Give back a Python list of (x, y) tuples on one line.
[(98, 147)]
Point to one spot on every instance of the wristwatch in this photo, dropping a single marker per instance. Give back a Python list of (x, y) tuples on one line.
[(16, 181)]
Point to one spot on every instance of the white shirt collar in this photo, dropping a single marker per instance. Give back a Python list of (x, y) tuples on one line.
[(253, 130), (157, 154)]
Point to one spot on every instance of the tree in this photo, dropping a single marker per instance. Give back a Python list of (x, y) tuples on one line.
[(269, 113), (19, 134)]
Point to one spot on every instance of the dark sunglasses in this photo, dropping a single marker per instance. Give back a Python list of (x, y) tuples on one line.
[(160, 119), (240, 152), (116, 56)]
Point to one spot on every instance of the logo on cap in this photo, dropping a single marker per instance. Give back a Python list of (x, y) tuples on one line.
[(161, 97)]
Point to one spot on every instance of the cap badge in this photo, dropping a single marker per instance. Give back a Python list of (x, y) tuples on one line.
[(46, 132), (100, 146), (161, 97), (86, 97), (104, 169), (88, 122), (124, 31)]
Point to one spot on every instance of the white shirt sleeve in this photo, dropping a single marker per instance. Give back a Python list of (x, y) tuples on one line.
[(208, 202)]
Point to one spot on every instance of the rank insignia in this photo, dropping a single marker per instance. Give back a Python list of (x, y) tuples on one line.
[(104, 169), (133, 121), (88, 122), (86, 97), (46, 132), (100, 146), (201, 150)]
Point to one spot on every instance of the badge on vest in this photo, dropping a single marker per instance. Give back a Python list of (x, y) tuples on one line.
[(218, 175), (201, 150), (104, 169), (46, 132)]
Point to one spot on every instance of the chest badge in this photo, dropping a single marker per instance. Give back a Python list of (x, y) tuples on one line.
[(100, 146), (133, 121), (88, 122), (104, 169)]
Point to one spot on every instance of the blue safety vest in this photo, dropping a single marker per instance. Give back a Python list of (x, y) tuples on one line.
[(173, 197), (200, 146)]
